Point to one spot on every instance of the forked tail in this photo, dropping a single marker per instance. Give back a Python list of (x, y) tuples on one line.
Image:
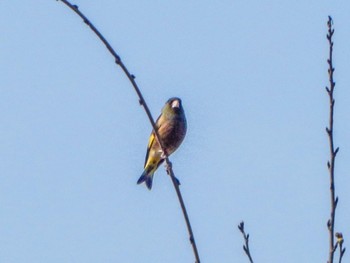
[(147, 178)]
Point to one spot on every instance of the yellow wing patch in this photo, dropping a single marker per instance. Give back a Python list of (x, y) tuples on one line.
[(152, 138), (149, 146), (150, 141)]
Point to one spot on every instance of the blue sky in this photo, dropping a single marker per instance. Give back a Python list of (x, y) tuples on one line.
[(251, 75)]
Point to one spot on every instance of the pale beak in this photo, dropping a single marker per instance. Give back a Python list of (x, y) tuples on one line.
[(175, 104)]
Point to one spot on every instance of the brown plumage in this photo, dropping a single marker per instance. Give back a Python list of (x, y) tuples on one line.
[(171, 126)]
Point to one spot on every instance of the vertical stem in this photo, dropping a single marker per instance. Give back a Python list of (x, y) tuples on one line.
[(333, 153)]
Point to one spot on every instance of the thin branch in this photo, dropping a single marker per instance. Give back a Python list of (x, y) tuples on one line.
[(246, 241), (340, 241), (333, 151), (142, 102)]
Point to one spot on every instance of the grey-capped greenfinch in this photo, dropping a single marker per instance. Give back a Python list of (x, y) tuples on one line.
[(171, 126)]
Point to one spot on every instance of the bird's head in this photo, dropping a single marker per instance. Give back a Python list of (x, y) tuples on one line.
[(173, 105)]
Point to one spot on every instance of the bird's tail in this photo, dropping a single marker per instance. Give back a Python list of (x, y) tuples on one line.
[(146, 177)]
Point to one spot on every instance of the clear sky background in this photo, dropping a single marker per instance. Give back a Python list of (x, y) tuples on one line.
[(251, 75)]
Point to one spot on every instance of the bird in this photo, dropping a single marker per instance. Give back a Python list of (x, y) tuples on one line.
[(171, 126)]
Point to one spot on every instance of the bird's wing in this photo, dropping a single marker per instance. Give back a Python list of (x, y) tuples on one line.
[(149, 146), (152, 139)]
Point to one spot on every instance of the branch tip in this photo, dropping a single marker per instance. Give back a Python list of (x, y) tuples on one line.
[(241, 226), (336, 151), (339, 237), (246, 241)]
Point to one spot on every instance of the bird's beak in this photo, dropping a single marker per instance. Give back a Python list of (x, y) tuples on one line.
[(175, 104)]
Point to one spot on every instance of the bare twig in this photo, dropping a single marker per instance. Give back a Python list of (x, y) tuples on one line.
[(142, 102), (340, 241), (333, 151), (246, 240)]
